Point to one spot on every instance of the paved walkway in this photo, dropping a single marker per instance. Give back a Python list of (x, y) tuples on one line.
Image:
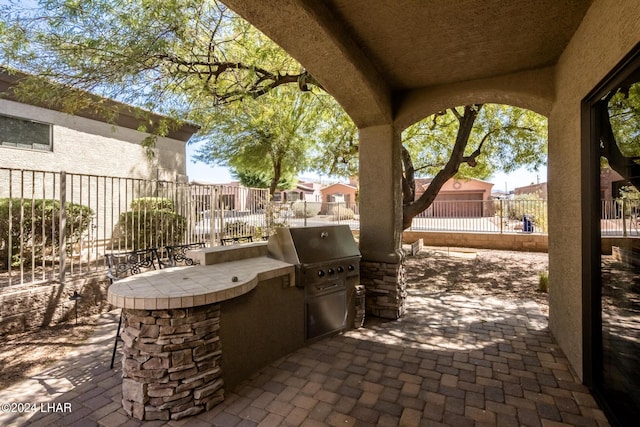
[(452, 360)]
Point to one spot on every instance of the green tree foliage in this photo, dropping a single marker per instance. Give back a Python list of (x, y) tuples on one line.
[(265, 137), (172, 56), (619, 124), (259, 180), (189, 59), (624, 116), (508, 137)]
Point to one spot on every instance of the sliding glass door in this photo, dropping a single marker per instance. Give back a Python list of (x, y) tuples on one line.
[(612, 275)]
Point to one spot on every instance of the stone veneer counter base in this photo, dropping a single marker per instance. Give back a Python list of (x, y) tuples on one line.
[(172, 350)]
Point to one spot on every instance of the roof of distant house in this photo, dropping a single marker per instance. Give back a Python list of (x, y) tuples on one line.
[(342, 184)]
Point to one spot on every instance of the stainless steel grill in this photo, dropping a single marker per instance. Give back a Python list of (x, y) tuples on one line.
[(327, 264)]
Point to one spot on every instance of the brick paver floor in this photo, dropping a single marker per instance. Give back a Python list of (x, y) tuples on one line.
[(452, 360)]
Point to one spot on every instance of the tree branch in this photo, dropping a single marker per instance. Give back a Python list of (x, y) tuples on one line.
[(467, 120)]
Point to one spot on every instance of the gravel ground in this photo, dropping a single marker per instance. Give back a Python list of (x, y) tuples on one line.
[(479, 272)]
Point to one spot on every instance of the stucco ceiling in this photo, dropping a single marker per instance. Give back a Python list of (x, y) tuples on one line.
[(369, 51), (425, 43)]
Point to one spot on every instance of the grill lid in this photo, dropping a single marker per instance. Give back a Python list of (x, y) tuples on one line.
[(307, 245)]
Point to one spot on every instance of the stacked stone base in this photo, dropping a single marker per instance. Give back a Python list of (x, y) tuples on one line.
[(171, 366), (386, 288)]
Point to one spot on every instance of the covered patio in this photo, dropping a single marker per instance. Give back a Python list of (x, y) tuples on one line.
[(426, 358), (453, 359)]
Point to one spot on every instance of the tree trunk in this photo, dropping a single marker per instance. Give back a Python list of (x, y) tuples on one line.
[(277, 171), (412, 208)]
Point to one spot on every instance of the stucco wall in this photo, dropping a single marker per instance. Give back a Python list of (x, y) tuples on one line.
[(87, 146), (607, 33)]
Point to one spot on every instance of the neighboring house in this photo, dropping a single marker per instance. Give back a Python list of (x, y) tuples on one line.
[(306, 191), (458, 198), (539, 189), (33, 137), (338, 193)]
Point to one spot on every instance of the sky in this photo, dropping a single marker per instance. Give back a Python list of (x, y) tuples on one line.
[(198, 171)]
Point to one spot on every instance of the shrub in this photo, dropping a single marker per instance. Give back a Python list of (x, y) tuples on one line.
[(40, 233), (152, 222), (152, 204), (543, 284), (341, 212), (302, 209)]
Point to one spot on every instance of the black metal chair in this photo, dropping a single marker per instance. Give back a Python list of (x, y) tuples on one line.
[(124, 264), (226, 241), (177, 254)]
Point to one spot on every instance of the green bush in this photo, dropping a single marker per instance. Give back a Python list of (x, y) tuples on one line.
[(152, 204), (543, 284), (302, 209), (40, 233), (152, 222)]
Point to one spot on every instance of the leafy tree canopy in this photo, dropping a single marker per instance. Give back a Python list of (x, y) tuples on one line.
[(268, 136), (177, 57), (508, 138)]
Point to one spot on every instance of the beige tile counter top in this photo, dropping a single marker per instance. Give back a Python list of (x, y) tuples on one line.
[(183, 287)]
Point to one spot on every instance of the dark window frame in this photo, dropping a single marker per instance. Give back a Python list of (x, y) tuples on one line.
[(9, 144)]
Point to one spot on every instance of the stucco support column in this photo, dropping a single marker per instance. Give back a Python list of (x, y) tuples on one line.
[(382, 267)]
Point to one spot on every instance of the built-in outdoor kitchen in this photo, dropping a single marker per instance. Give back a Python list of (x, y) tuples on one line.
[(191, 332)]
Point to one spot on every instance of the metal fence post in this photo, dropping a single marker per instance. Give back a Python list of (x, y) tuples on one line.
[(304, 213), (624, 220), (501, 216), (63, 225)]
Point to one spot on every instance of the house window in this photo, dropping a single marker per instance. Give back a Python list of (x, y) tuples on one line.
[(23, 133)]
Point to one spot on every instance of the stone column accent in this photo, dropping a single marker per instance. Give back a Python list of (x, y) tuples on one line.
[(170, 363), (386, 288)]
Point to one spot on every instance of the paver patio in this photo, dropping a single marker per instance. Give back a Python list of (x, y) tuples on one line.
[(452, 360)]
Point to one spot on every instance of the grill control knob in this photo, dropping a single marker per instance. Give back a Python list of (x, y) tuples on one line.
[(351, 267), (340, 269), (331, 271), (320, 273)]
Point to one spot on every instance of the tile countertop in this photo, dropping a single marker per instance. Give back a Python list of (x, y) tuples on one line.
[(183, 287)]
